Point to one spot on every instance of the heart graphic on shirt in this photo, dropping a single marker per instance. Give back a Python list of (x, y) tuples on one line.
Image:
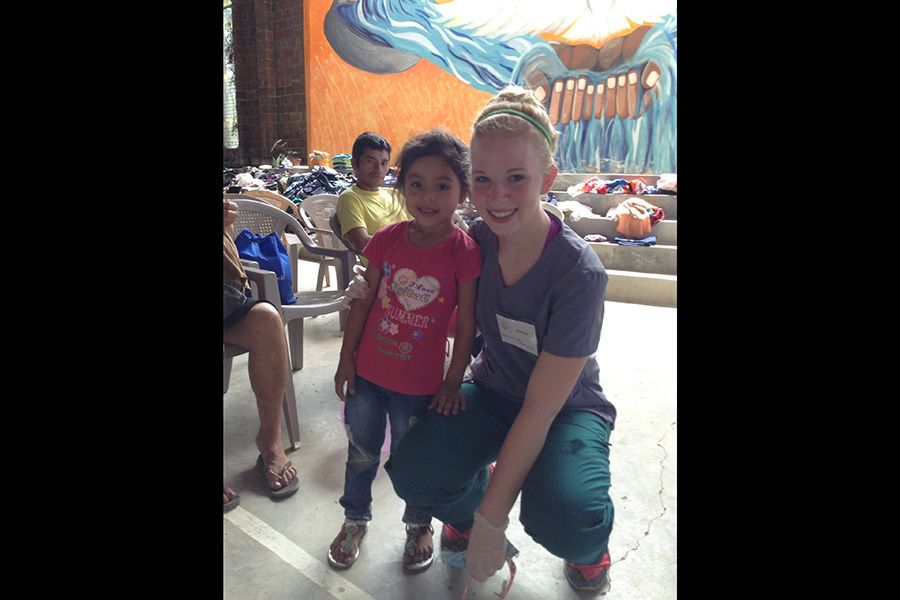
[(414, 292)]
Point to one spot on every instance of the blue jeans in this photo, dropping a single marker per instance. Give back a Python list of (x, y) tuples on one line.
[(364, 418)]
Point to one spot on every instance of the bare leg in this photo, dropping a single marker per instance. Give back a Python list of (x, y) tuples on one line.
[(262, 333)]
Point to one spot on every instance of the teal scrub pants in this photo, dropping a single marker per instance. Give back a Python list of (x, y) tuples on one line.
[(441, 464)]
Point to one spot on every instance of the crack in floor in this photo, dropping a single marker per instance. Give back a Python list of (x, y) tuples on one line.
[(661, 490)]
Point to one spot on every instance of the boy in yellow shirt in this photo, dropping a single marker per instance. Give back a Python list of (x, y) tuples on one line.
[(366, 207)]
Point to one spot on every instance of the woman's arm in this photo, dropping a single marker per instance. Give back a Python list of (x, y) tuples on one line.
[(356, 322), (448, 398), (550, 384)]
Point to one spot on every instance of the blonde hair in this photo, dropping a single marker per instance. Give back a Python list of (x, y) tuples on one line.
[(500, 115)]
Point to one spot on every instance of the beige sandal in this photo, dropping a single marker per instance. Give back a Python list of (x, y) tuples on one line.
[(350, 536), (413, 535)]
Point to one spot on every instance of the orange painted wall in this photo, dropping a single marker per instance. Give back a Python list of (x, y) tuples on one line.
[(343, 101)]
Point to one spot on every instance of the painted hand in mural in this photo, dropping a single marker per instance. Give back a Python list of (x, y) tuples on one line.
[(594, 95), (606, 70)]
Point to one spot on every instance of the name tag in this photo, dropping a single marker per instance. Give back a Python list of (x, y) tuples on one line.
[(518, 333)]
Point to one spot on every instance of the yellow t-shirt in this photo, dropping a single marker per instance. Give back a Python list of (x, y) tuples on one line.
[(372, 210)]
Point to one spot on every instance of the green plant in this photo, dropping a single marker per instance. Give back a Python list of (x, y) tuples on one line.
[(280, 151)]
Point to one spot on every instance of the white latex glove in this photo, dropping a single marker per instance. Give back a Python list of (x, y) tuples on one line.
[(358, 287), (458, 221), (487, 548)]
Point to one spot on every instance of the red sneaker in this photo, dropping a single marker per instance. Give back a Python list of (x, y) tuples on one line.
[(588, 578), (454, 540)]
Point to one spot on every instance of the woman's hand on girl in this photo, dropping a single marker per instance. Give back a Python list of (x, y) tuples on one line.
[(358, 288)]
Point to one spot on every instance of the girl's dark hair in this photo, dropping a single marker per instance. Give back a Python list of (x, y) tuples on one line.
[(436, 142)]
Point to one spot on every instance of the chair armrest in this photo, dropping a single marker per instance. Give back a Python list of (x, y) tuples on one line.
[(249, 263), (293, 225), (322, 251), (336, 232), (266, 286)]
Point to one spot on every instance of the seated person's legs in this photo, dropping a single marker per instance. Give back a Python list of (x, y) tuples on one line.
[(261, 331)]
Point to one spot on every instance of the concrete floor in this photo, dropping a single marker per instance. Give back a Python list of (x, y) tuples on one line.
[(276, 550)]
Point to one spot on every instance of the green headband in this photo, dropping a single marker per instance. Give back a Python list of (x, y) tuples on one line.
[(518, 113)]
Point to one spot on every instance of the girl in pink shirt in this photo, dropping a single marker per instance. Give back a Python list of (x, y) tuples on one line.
[(392, 358)]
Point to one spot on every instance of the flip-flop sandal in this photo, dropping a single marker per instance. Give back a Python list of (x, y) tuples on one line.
[(285, 490), (353, 533), (232, 503)]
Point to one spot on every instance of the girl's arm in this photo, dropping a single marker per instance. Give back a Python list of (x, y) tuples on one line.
[(356, 322), (550, 384), (448, 398)]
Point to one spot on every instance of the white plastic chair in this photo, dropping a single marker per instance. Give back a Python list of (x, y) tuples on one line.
[(263, 219), (322, 212), (295, 249), (327, 238), (323, 237), (319, 210), (265, 287)]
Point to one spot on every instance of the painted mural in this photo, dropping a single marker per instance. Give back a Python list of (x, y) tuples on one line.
[(605, 70)]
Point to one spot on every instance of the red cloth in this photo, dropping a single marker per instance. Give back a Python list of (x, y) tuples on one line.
[(591, 571)]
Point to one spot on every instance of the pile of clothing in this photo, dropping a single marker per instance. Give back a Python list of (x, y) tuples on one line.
[(341, 161), (320, 180), (235, 181), (667, 184), (318, 158)]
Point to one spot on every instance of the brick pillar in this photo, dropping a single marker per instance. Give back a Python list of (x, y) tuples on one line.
[(269, 76), (290, 77)]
